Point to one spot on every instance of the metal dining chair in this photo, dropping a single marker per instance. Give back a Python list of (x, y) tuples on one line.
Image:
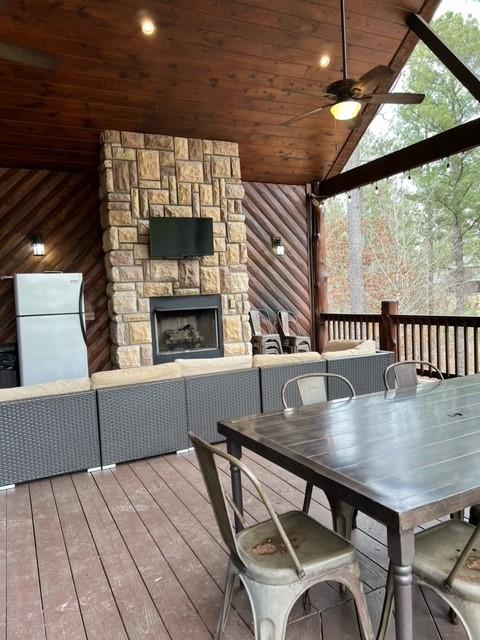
[(448, 562), (313, 390), (279, 559), (403, 375)]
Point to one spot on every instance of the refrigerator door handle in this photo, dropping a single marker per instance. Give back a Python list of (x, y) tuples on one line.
[(81, 312)]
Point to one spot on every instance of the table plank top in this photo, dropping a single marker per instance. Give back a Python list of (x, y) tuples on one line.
[(404, 458)]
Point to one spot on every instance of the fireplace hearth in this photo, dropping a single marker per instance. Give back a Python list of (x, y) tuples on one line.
[(186, 327)]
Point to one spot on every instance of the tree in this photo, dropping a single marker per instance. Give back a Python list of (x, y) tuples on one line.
[(450, 191), (355, 244), (420, 234)]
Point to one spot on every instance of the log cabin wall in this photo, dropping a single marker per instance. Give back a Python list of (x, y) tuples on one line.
[(278, 282), (63, 208)]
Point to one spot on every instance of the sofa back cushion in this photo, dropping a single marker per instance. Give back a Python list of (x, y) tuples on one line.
[(135, 375), (201, 366), (282, 359), (56, 388), (337, 349)]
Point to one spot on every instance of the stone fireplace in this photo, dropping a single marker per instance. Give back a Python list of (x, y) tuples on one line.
[(164, 309)]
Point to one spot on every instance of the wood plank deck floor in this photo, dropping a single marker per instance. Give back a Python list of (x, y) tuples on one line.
[(133, 553)]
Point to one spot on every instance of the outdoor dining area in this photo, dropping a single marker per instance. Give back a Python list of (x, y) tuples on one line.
[(324, 516), (239, 320)]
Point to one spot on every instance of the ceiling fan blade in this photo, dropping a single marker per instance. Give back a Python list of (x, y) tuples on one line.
[(370, 80), (306, 114), (395, 98), (26, 56)]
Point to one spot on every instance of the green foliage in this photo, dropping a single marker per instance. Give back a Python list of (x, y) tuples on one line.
[(447, 103), (422, 234)]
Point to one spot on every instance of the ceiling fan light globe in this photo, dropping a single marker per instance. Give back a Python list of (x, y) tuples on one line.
[(345, 109)]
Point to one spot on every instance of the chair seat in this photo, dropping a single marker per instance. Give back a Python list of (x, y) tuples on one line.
[(318, 549), (436, 551)]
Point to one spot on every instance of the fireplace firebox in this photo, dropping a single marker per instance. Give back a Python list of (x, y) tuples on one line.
[(186, 327)]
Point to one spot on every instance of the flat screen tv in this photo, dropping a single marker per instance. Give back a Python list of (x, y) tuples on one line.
[(181, 237)]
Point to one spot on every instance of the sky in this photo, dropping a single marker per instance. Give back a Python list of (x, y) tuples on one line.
[(463, 6)]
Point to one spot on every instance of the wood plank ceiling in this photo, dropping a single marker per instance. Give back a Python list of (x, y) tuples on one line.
[(221, 69)]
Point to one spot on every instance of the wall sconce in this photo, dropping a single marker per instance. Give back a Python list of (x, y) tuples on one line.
[(38, 246), (278, 247)]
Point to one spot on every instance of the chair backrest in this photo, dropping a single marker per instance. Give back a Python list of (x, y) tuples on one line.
[(403, 375), (312, 388), (255, 316), (206, 457), (284, 320)]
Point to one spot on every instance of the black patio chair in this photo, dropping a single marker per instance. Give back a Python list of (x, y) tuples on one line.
[(291, 341), (264, 342)]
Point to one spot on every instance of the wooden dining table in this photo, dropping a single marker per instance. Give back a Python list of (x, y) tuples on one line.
[(403, 458)]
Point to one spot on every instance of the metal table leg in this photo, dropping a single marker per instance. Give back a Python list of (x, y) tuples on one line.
[(342, 519), (235, 449), (401, 549)]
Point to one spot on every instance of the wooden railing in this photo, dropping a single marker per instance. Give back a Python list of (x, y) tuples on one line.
[(353, 326), (449, 342)]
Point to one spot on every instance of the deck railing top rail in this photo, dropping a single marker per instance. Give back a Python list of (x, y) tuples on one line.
[(400, 318), (359, 317), (450, 321), (449, 342)]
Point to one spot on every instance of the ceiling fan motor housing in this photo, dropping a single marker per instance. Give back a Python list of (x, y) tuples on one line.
[(343, 89)]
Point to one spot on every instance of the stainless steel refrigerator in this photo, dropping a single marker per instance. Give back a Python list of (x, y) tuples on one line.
[(51, 333)]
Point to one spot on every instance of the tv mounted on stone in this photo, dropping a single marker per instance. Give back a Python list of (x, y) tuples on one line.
[(181, 237)]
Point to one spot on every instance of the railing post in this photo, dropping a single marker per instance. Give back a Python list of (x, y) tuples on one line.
[(388, 333)]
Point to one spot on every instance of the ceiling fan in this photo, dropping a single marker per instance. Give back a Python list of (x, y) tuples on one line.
[(349, 95), (25, 55)]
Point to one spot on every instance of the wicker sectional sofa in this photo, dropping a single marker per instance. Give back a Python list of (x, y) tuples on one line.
[(47, 430), (124, 415)]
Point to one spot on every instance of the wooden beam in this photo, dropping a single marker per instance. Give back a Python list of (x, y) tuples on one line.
[(320, 278), (370, 110), (443, 52), (461, 138), (311, 266)]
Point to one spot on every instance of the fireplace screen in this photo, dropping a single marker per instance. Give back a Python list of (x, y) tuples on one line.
[(186, 327), (186, 330)]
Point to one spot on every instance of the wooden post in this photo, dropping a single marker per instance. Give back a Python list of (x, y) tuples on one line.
[(388, 332), (319, 271)]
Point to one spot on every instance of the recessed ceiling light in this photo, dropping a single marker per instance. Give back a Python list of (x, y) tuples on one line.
[(148, 26), (324, 61)]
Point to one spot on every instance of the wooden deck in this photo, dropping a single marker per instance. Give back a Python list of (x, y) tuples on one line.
[(133, 553)]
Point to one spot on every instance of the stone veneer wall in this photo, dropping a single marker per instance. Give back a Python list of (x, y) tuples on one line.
[(144, 176)]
